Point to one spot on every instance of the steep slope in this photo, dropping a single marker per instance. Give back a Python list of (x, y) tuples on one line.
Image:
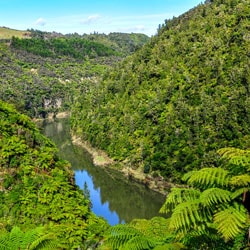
[(40, 74), (37, 188), (173, 103)]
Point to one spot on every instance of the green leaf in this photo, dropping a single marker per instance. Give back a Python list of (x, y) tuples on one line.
[(177, 196), (213, 196), (208, 177), (231, 221)]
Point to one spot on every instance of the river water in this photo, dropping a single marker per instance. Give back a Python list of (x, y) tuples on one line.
[(113, 196)]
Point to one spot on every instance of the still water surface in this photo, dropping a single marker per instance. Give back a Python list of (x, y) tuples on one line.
[(113, 197)]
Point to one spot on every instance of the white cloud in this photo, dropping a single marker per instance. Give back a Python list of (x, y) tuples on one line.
[(90, 19), (140, 28), (40, 22)]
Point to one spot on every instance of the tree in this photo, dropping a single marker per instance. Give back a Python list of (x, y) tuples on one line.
[(214, 203)]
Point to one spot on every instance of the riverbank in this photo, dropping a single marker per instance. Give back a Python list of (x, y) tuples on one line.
[(52, 116), (101, 159)]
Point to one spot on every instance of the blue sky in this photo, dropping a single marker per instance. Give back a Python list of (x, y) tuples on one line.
[(81, 16)]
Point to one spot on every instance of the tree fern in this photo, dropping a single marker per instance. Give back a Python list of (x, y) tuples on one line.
[(235, 156), (208, 177), (185, 216), (141, 235), (177, 196), (170, 246), (33, 239), (214, 196), (239, 192), (119, 235), (156, 228), (240, 180), (139, 243), (231, 221)]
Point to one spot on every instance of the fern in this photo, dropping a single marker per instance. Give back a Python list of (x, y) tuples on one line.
[(185, 216), (119, 235), (240, 180), (170, 246), (156, 228), (212, 208), (33, 240), (231, 221), (213, 196), (141, 235), (239, 192), (177, 196), (208, 177), (139, 242), (235, 156)]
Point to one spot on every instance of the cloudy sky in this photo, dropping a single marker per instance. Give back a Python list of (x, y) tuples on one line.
[(81, 16)]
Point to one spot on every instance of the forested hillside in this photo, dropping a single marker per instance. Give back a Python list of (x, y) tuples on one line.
[(80, 46), (38, 189), (41, 74), (170, 106), (177, 106)]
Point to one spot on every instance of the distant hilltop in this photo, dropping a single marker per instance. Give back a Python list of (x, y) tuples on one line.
[(7, 33)]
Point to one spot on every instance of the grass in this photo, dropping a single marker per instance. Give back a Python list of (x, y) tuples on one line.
[(6, 33)]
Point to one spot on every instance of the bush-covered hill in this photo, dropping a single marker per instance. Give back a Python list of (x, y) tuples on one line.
[(40, 74), (172, 104), (80, 46), (37, 188), (7, 33)]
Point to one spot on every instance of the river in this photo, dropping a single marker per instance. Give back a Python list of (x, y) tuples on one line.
[(113, 196)]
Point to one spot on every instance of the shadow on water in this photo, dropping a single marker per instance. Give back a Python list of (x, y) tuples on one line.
[(113, 197)]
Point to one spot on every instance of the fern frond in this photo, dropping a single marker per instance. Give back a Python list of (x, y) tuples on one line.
[(139, 243), (213, 196), (157, 227), (238, 192), (208, 177), (240, 180), (177, 196), (170, 246), (15, 237), (4, 241), (231, 221), (45, 241), (32, 239), (119, 235), (185, 216), (235, 155)]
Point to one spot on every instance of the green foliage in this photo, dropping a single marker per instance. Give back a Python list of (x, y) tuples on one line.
[(38, 188), (236, 156), (33, 239), (207, 177), (142, 234), (80, 47), (72, 47), (231, 221), (41, 74), (213, 204), (182, 96)]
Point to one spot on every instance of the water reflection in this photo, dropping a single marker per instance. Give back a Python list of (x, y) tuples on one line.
[(116, 199)]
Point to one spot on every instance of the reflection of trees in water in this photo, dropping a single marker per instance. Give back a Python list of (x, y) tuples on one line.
[(128, 199)]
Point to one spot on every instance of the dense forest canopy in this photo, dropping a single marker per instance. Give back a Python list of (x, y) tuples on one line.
[(41, 74), (37, 188), (185, 94), (177, 107)]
